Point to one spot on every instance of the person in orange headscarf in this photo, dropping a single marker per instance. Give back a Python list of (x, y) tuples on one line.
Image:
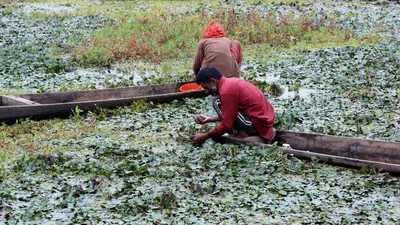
[(216, 49)]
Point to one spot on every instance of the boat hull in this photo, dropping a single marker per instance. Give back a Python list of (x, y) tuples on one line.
[(60, 104), (336, 150)]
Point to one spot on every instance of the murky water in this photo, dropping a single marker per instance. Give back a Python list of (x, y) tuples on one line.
[(271, 77), (103, 78), (363, 18), (49, 7), (301, 93)]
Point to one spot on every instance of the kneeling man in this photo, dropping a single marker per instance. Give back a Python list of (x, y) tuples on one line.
[(241, 106)]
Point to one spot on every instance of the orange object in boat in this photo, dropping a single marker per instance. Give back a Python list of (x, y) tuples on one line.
[(190, 87)]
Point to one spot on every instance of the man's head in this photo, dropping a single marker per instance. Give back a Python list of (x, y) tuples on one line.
[(208, 78)]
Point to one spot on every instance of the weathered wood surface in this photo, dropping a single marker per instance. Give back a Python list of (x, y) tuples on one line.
[(104, 94), (356, 148), (64, 103), (11, 100), (324, 158)]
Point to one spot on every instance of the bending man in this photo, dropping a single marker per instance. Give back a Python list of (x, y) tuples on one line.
[(241, 107), (216, 49)]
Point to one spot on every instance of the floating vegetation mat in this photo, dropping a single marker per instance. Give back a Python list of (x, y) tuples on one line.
[(137, 165)]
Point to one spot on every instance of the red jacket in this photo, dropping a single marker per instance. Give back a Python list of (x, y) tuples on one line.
[(237, 94)]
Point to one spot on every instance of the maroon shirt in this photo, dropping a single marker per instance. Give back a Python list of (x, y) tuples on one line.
[(237, 94)]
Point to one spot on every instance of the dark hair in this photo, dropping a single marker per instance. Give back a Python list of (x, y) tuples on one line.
[(207, 73)]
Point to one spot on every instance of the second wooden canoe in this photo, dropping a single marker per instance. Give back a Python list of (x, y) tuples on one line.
[(337, 150), (47, 105)]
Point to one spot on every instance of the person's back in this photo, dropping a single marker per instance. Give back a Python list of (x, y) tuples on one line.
[(216, 52), (215, 49)]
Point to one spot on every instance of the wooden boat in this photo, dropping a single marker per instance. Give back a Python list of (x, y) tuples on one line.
[(343, 151), (49, 105)]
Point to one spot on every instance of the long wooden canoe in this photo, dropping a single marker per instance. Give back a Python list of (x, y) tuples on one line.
[(343, 151), (354, 152), (48, 105)]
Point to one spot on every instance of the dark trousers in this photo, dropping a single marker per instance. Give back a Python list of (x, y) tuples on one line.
[(242, 122)]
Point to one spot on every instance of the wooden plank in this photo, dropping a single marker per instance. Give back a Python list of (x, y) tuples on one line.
[(10, 100), (357, 148), (10, 113), (397, 111), (104, 94), (325, 158)]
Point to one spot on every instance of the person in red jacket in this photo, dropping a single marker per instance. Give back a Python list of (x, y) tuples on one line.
[(241, 107), (216, 49)]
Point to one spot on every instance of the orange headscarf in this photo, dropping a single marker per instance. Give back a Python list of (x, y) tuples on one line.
[(214, 30)]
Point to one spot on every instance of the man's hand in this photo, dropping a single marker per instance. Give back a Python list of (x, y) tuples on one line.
[(200, 119), (200, 138)]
